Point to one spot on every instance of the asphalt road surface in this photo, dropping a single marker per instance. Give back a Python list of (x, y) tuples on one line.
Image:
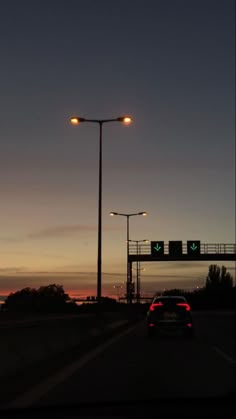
[(130, 366)]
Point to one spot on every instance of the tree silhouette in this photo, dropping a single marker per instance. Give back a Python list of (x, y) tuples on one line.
[(218, 279), (23, 300), (50, 298), (226, 279)]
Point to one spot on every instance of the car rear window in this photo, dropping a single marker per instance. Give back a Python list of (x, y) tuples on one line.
[(172, 300)]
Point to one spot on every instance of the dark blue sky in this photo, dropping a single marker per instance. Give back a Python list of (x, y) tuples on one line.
[(170, 64)]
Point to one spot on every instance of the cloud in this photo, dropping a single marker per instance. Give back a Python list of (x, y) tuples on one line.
[(12, 270), (65, 231)]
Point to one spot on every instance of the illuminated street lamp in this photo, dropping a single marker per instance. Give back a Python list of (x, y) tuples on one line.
[(76, 120), (128, 284)]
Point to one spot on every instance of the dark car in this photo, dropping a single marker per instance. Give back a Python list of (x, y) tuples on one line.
[(170, 314)]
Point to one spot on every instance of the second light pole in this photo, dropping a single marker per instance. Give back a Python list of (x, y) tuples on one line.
[(128, 284)]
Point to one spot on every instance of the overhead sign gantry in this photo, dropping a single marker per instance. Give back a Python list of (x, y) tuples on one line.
[(177, 250)]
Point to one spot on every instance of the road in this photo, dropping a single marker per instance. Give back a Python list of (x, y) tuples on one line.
[(131, 366)]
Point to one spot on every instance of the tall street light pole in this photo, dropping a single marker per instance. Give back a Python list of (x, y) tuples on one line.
[(129, 282), (75, 120)]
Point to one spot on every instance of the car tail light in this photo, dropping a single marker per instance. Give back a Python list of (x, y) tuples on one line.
[(187, 306), (189, 325), (154, 305), (151, 325)]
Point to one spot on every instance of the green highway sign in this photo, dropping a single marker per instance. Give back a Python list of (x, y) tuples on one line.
[(194, 247), (157, 248)]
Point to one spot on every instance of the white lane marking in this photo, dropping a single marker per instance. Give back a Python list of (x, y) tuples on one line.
[(37, 392), (224, 355)]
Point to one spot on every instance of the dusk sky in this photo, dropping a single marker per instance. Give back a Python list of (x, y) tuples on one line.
[(170, 64)]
